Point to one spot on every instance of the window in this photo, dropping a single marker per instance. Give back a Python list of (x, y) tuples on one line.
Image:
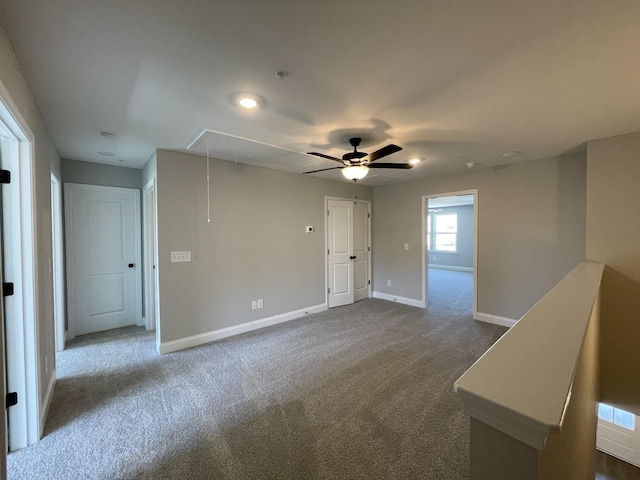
[(617, 417), (442, 232)]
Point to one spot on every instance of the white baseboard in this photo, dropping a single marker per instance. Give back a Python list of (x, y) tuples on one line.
[(451, 267), (195, 340), (46, 402), (395, 298), (495, 319)]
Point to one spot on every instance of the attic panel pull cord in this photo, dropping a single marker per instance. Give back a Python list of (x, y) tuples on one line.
[(208, 188)]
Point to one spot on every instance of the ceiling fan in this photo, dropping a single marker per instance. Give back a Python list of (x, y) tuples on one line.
[(356, 165)]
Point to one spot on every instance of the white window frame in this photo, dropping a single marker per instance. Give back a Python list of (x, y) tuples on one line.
[(431, 232)]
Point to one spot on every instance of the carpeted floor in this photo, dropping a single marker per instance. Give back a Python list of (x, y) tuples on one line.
[(362, 391), (450, 290)]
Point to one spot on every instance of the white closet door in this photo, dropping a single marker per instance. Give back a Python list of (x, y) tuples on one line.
[(103, 245), (340, 235)]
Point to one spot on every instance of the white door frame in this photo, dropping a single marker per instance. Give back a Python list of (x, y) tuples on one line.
[(25, 423), (150, 249), (57, 261), (71, 310), (425, 280), (326, 242)]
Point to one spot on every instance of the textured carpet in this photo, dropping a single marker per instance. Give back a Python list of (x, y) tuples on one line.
[(450, 291), (362, 391)]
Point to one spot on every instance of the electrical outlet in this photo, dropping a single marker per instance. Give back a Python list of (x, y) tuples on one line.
[(254, 304), (260, 303), (177, 257), (388, 283), (406, 246)]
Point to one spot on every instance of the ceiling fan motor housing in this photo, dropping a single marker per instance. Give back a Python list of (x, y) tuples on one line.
[(354, 155)]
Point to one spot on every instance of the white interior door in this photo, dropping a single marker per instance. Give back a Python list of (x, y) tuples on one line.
[(618, 434), (3, 379), (361, 250), (348, 251), (340, 234), (103, 252)]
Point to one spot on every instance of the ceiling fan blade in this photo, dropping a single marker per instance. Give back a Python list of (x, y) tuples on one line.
[(405, 166), (383, 152), (324, 156), (323, 170)]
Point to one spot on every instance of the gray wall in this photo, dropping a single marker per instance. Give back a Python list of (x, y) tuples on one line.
[(531, 231), (613, 238), (45, 158), (463, 257), (90, 173), (254, 247)]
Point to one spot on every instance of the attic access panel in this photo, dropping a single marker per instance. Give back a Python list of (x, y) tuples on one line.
[(232, 148)]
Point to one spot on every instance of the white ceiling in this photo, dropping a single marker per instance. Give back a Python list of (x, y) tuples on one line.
[(450, 81)]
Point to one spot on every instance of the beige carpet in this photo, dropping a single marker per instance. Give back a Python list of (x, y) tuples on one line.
[(362, 391)]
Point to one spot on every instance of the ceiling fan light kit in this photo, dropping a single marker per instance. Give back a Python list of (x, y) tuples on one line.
[(355, 172)]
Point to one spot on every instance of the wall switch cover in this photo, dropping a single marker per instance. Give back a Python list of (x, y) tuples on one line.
[(254, 304), (260, 303), (406, 246)]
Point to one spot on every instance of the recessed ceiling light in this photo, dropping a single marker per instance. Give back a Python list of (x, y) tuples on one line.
[(414, 161), (509, 154), (248, 102), (106, 154), (471, 164)]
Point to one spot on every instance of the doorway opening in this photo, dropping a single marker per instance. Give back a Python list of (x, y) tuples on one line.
[(449, 266), (102, 229), (24, 422)]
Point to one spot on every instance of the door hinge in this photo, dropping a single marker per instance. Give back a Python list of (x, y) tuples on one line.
[(328, 290), (368, 215), (327, 213), (328, 252), (368, 249), (7, 289), (5, 176), (11, 400), (369, 282)]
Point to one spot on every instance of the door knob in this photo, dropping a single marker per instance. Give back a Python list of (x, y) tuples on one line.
[(131, 265), (353, 257)]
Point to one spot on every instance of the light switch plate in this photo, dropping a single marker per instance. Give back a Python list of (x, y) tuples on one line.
[(406, 246), (177, 257)]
